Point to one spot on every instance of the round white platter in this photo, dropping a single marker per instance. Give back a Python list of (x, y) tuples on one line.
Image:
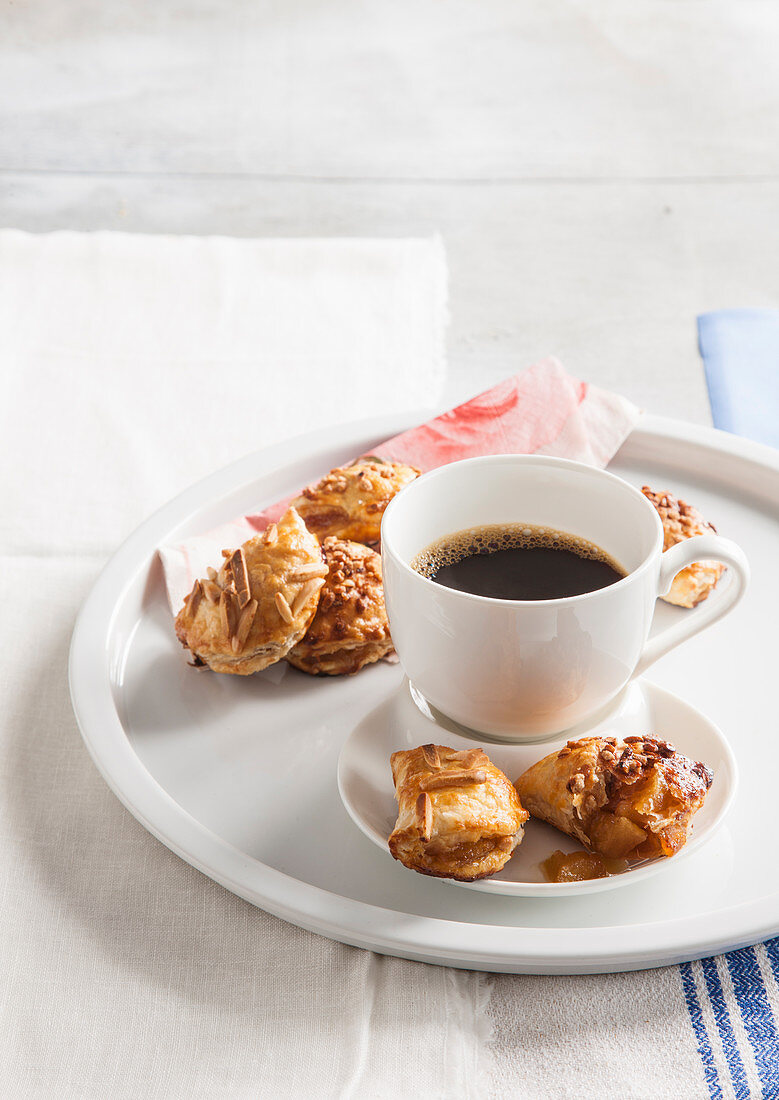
[(238, 776), (367, 791)]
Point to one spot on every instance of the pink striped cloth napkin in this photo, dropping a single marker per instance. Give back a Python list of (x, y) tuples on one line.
[(541, 411)]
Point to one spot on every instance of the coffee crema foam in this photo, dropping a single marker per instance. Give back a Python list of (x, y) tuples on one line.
[(490, 538)]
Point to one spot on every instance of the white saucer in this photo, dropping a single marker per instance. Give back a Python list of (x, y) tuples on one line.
[(366, 788)]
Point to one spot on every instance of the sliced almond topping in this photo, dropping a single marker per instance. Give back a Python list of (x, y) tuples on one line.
[(244, 625), (283, 608), (430, 753), (305, 594), (425, 816), (212, 591), (271, 534), (211, 573), (316, 569), (228, 610), (227, 553), (471, 758), (452, 779), (240, 576), (194, 598)]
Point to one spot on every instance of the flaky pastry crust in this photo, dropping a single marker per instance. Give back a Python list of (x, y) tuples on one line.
[(350, 628), (251, 612), (349, 502), (631, 799), (458, 815), (681, 521)]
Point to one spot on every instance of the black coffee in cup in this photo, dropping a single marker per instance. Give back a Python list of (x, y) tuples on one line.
[(518, 561)]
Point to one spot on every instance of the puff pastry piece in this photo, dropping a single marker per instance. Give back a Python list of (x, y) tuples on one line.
[(350, 628), (630, 799), (458, 815), (260, 603), (350, 501), (681, 521)]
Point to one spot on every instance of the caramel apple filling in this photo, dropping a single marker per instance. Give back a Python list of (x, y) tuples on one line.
[(580, 866), (476, 856), (653, 793)]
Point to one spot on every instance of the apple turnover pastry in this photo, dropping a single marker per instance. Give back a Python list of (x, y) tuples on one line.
[(681, 521), (631, 799), (458, 815), (261, 602), (350, 501), (350, 627)]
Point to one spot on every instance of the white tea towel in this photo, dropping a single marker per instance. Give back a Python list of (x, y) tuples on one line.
[(130, 367)]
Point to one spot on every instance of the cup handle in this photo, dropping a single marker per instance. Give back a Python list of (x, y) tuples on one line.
[(678, 557)]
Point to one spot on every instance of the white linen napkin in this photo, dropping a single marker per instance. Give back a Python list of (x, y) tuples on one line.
[(135, 365)]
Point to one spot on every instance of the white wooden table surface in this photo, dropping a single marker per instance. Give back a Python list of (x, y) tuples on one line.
[(600, 172)]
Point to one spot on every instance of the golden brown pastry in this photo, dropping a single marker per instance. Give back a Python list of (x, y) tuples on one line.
[(260, 603), (458, 815), (681, 521), (622, 799), (350, 501), (350, 627)]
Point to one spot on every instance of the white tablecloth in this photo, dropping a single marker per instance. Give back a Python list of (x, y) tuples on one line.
[(132, 367)]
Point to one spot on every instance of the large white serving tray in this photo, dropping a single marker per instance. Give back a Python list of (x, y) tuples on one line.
[(238, 776)]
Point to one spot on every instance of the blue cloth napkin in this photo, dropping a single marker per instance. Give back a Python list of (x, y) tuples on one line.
[(740, 350), (732, 1001)]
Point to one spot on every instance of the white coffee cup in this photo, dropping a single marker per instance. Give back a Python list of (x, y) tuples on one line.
[(521, 670)]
